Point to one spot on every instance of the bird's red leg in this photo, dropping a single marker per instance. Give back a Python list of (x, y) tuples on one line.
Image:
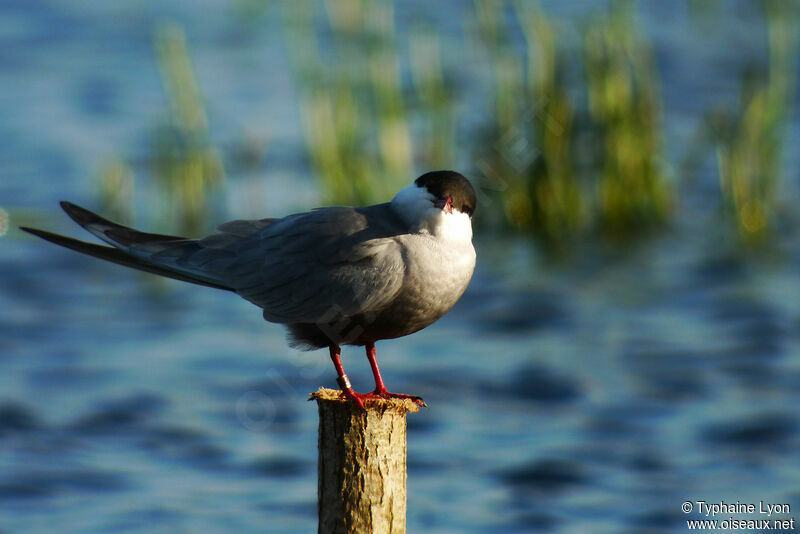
[(343, 381), (380, 387)]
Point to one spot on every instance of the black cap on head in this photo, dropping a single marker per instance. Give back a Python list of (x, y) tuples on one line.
[(443, 184)]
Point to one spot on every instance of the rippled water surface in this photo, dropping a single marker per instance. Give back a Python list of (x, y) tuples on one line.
[(592, 396)]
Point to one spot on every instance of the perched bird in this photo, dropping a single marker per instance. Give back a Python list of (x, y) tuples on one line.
[(333, 276)]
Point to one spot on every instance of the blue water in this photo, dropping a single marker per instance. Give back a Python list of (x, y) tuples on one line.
[(595, 395)]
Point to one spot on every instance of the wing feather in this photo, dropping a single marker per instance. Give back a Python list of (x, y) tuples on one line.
[(326, 263), (306, 268)]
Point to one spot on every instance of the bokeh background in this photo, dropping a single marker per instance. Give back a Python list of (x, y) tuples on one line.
[(630, 339)]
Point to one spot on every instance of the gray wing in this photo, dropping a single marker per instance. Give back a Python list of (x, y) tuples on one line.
[(307, 268), (171, 256), (318, 266)]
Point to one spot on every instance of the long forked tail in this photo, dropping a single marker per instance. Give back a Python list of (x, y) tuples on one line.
[(152, 253)]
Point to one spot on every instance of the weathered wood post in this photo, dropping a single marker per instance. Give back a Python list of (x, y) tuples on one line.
[(362, 465)]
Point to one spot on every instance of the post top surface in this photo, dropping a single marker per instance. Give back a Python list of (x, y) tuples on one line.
[(401, 406)]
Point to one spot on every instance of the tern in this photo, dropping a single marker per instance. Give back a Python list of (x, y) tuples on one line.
[(333, 276)]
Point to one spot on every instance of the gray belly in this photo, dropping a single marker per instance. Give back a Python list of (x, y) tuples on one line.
[(433, 284)]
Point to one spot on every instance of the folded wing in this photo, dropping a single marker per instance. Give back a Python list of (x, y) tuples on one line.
[(319, 266), (307, 268)]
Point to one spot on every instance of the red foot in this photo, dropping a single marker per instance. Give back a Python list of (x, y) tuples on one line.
[(380, 391), (383, 394), (358, 398)]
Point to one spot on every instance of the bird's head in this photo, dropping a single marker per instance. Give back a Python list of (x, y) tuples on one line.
[(439, 202)]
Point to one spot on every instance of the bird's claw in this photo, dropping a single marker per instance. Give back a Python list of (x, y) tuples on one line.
[(355, 398), (358, 398), (419, 401)]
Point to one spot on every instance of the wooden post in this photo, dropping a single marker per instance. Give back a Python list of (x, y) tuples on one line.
[(362, 465)]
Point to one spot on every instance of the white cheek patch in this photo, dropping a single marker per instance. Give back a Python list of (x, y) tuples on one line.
[(413, 204)]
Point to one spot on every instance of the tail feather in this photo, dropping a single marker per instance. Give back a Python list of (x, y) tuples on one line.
[(109, 231), (131, 248)]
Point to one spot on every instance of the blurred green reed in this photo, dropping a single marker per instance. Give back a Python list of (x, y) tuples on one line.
[(549, 186), (185, 164), (625, 109), (573, 142), (558, 206), (4, 218), (531, 160), (356, 113), (434, 101), (116, 189), (750, 139), (506, 65)]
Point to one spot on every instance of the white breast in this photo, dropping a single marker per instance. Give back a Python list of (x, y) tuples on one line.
[(437, 272), (438, 254)]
